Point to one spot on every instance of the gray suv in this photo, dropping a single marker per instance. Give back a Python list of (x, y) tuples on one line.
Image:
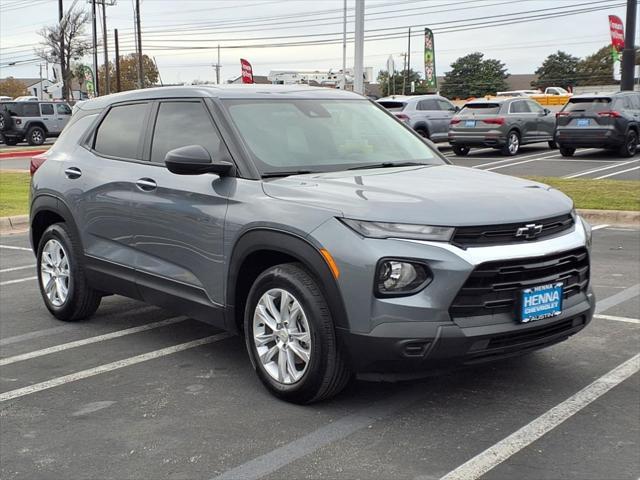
[(504, 124), (32, 122), (312, 222), (429, 115)]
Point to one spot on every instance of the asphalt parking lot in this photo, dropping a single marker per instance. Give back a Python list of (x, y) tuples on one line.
[(138, 392)]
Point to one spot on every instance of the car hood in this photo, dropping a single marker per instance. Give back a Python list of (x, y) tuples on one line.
[(435, 195)]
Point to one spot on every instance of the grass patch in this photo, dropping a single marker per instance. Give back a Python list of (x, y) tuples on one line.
[(14, 193), (598, 194)]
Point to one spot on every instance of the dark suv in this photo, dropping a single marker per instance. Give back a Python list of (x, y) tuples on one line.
[(334, 237), (610, 121), (33, 122)]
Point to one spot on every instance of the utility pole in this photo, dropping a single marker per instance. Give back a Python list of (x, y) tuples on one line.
[(62, 62), (344, 46), (95, 48), (629, 52), (217, 67), (409, 59), (40, 81), (118, 84), (358, 81), (139, 36), (106, 51)]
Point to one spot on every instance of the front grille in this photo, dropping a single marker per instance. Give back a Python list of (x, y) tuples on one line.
[(505, 234), (494, 287)]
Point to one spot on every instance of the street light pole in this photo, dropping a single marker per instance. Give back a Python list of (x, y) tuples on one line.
[(358, 81), (344, 46), (139, 36), (629, 52), (95, 48), (62, 62), (107, 88)]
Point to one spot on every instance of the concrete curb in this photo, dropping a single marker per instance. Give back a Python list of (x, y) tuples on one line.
[(15, 224)]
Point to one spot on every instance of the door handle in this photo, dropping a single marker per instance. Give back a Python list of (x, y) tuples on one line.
[(146, 184), (73, 173)]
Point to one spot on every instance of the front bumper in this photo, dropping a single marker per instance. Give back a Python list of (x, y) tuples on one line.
[(418, 332)]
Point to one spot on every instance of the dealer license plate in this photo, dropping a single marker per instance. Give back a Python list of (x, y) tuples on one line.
[(583, 122), (540, 302), (470, 123)]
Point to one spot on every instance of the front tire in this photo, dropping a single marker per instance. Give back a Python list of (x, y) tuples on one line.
[(512, 147), (461, 151), (61, 276), (630, 146), (36, 136), (290, 336), (552, 144)]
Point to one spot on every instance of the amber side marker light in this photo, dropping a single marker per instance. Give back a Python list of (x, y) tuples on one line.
[(335, 271)]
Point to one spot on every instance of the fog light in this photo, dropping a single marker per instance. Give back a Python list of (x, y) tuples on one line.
[(400, 277)]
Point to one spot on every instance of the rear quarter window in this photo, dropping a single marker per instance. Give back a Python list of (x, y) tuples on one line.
[(481, 108)]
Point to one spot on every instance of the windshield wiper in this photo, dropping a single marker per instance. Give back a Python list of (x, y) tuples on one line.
[(285, 174), (388, 165)]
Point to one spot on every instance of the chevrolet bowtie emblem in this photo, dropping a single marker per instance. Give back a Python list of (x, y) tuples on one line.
[(529, 231)]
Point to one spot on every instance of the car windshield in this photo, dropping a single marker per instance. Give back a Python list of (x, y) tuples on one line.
[(588, 105), (324, 135), (482, 108)]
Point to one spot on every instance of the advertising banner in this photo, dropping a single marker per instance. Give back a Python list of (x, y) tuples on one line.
[(247, 71), (617, 43), (429, 61), (89, 81)]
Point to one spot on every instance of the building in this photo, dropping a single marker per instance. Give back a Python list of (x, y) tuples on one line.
[(48, 90)]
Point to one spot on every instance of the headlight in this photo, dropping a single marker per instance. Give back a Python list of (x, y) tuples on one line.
[(396, 277), (399, 230)]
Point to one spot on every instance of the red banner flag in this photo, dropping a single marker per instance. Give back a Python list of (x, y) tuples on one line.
[(247, 71), (617, 32)]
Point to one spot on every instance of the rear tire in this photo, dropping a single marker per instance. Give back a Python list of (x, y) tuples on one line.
[(630, 147), (61, 276), (461, 151), (422, 132), (273, 333), (36, 136), (512, 147), (552, 144), (567, 152)]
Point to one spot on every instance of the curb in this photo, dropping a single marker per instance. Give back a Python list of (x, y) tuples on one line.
[(15, 224), (21, 153), (610, 217)]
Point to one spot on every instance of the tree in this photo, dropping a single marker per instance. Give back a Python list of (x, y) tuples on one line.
[(472, 76), (597, 68), (76, 46), (13, 88), (129, 73), (557, 70), (387, 85)]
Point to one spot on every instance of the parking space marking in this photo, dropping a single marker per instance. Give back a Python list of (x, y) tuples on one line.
[(618, 173), (617, 319), (519, 163), (55, 382), (601, 169), (618, 298), (512, 159), (311, 442), (19, 280), (90, 340), (599, 227), (13, 269), (11, 247), (503, 450)]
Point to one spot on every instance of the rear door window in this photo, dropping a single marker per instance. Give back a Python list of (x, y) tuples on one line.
[(595, 104), (481, 108), (46, 109), (180, 124), (393, 106), (121, 131)]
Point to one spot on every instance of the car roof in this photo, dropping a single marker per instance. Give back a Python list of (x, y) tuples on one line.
[(232, 91), (602, 94), (495, 100)]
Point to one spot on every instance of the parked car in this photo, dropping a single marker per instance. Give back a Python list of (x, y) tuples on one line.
[(4, 98), (429, 115), (610, 121), (32, 121), (330, 235), (518, 93), (504, 124), (26, 98)]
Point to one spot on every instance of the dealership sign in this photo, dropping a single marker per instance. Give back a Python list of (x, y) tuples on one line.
[(617, 43), (430, 79), (247, 71)]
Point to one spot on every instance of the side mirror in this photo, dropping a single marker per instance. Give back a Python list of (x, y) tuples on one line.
[(194, 160), (547, 111)]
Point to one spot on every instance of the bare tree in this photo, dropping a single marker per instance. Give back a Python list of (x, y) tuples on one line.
[(76, 46)]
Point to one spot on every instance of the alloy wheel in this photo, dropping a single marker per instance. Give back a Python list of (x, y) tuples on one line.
[(55, 272), (514, 143), (36, 137), (632, 144), (281, 336)]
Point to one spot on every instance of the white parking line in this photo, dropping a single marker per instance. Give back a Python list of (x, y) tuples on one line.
[(519, 163), (13, 269), (19, 280), (618, 298), (90, 340), (617, 319), (55, 382), (512, 159), (617, 173), (601, 169), (599, 227), (11, 247), (503, 450)]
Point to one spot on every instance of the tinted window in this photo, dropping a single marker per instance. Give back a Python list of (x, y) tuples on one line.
[(120, 132), (63, 109), (393, 106), (596, 104), (635, 101), (30, 110), (46, 109), (519, 107), (12, 108), (481, 108), (444, 105), (430, 104), (180, 124)]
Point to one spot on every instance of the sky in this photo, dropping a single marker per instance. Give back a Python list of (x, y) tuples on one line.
[(171, 28)]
